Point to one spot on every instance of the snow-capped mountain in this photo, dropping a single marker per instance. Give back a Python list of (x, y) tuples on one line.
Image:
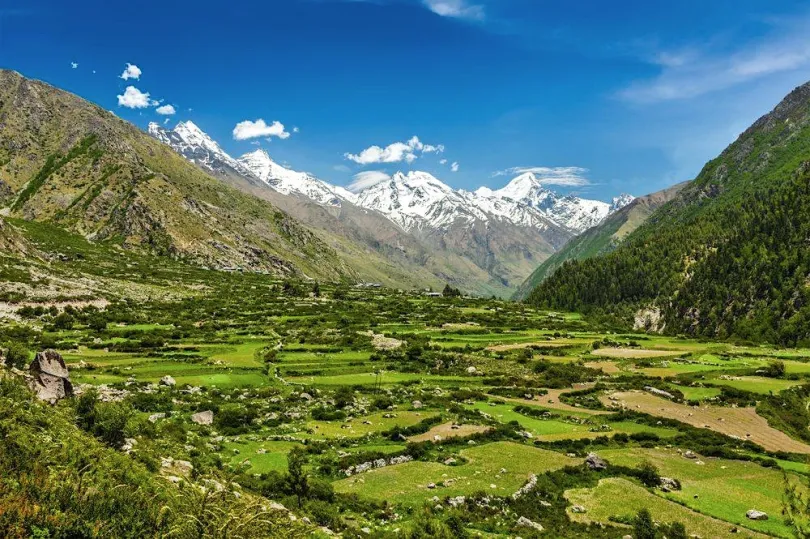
[(290, 182), (418, 201), (574, 213), (414, 201), (195, 145)]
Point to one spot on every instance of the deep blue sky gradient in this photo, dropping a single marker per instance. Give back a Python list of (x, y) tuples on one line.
[(528, 83)]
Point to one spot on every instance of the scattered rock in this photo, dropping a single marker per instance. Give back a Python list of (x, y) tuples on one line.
[(668, 484), (595, 462), (50, 379), (471, 370), (416, 405), (578, 509), (168, 381), (526, 523), (431, 486), (753, 514), (203, 418), (659, 392), (690, 454), (154, 417)]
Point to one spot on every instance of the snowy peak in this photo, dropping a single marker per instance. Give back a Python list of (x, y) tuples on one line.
[(290, 182), (620, 202), (418, 200), (195, 145), (257, 166)]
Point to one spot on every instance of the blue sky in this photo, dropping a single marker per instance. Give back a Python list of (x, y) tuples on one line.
[(638, 94)]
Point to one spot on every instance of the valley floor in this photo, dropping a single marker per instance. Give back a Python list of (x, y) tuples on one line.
[(337, 409)]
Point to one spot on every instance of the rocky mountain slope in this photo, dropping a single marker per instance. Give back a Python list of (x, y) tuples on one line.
[(727, 256), (69, 162), (602, 238)]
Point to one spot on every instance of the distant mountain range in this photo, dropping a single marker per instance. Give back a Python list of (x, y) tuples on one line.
[(484, 241), (413, 200), (177, 193)]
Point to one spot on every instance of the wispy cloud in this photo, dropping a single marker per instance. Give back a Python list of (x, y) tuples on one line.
[(394, 153), (454, 167), (366, 179), (701, 69), (458, 9), (249, 129), (562, 176), (74, 65)]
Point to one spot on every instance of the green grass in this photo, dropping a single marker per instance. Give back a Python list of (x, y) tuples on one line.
[(407, 483), (358, 428), (757, 384), (721, 488), (615, 497), (275, 458)]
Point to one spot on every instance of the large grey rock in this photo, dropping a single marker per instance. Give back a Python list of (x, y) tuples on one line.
[(49, 377), (526, 523), (595, 462), (753, 514), (203, 418)]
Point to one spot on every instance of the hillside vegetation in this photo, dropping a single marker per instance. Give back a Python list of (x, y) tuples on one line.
[(66, 161), (600, 239), (728, 256)]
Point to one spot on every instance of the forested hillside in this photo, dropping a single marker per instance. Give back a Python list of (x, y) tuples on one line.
[(728, 256), (602, 238)]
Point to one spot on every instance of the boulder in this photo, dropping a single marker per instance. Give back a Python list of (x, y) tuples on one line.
[(203, 418), (690, 455), (526, 523), (471, 370), (578, 509), (168, 381), (49, 377), (416, 405), (595, 462), (668, 484), (753, 514)]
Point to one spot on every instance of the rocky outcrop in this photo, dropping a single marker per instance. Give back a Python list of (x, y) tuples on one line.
[(203, 418), (595, 462), (49, 377)]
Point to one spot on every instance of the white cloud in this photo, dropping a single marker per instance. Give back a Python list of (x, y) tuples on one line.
[(366, 179), (166, 121), (167, 110), (296, 130), (459, 9), (699, 70), (443, 162), (454, 167), (394, 153), (131, 72), (135, 99), (248, 129), (564, 176), (73, 65)]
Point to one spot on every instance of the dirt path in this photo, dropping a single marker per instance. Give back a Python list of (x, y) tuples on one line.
[(552, 401), (542, 344), (743, 423)]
